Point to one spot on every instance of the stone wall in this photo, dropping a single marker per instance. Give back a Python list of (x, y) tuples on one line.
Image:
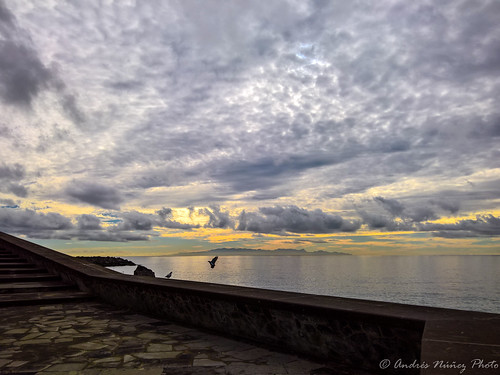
[(285, 321), (355, 333)]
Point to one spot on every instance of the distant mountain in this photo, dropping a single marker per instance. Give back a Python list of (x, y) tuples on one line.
[(243, 251)]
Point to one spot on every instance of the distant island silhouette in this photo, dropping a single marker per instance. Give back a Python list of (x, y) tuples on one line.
[(106, 261), (244, 251)]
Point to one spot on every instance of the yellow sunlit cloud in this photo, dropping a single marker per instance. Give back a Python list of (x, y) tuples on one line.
[(213, 235)]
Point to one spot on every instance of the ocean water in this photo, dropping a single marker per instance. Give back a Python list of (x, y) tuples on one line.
[(459, 282)]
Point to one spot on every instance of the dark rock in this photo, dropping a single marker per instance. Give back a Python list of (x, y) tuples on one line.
[(108, 261), (143, 271)]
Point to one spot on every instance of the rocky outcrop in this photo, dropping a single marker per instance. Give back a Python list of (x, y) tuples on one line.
[(143, 271), (108, 261)]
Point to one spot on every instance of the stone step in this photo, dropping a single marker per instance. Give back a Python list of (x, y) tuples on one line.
[(7, 255), (15, 277), (34, 286), (12, 259), (25, 283), (43, 298), (4, 271), (17, 265)]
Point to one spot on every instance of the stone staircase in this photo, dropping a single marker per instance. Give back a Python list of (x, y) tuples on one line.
[(24, 283)]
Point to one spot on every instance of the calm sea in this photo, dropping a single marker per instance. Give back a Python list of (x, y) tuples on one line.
[(459, 282)]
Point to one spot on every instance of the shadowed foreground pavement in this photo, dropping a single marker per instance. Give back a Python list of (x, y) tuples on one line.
[(92, 338)]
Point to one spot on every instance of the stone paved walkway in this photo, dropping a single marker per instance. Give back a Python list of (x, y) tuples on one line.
[(91, 338)]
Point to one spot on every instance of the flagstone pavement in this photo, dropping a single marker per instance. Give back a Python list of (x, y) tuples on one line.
[(92, 338)]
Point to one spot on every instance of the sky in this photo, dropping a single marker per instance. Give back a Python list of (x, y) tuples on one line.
[(156, 127)]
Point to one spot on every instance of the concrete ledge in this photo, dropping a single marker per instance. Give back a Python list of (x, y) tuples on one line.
[(354, 333)]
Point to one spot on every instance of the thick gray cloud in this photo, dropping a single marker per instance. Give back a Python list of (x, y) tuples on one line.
[(88, 222), (129, 226), (32, 223), (71, 108), (393, 206), (17, 189), (22, 74), (447, 204), (417, 217), (380, 221), (217, 218), (136, 221), (295, 220), (415, 214), (304, 103), (165, 212), (6, 17), (267, 172), (485, 225), (10, 177), (12, 172), (94, 194), (397, 216)]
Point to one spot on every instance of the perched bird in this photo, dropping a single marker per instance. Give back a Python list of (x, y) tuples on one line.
[(168, 276), (212, 262)]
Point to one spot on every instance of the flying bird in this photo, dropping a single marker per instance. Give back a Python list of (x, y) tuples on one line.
[(212, 262), (169, 275)]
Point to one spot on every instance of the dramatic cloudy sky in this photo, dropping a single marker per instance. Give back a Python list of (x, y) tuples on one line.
[(150, 127)]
